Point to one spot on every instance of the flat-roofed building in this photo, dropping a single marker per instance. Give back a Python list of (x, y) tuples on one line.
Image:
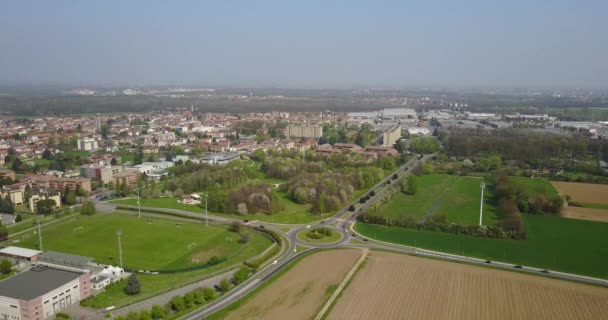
[(20, 254), (41, 292)]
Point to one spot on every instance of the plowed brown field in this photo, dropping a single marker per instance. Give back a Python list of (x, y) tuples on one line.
[(583, 192), (302, 291), (585, 213), (394, 286)]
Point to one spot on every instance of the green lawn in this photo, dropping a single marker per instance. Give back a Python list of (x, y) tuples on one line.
[(458, 196), (555, 243), (150, 244), (335, 236)]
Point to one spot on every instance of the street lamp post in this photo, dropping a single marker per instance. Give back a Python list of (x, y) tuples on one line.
[(483, 186), (119, 233)]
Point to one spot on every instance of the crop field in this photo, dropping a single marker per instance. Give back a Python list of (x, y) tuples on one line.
[(394, 286), (585, 213), (583, 192), (149, 244), (555, 243), (300, 292), (455, 196)]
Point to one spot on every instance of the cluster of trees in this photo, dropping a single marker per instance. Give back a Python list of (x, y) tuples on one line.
[(45, 206), (88, 208), (286, 168), (439, 223), (524, 146), (424, 145), (252, 199), (197, 177), (6, 205), (325, 191), (319, 233), (514, 198), (5, 266)]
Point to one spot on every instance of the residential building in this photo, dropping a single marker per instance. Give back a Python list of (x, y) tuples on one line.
[(59, 183), (16, 193), (305, 131), (43, 194), (8, 174), (391, 135), (128, 176), (102, 173), (87, 144)]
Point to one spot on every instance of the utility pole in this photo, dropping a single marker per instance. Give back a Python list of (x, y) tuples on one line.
[(119, 233), (483, 186), (39, 235)]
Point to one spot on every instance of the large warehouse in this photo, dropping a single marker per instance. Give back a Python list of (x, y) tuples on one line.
[(45, 289)]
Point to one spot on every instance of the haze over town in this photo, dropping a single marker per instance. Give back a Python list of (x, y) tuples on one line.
[(303, 160)]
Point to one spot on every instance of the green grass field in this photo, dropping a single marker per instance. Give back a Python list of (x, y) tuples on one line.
[(150, 244), (554, 243), (458, 196)]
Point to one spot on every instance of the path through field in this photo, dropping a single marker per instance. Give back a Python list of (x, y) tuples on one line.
[(393, 286)]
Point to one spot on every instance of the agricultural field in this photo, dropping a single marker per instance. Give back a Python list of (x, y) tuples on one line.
[(407, 287), (553, 243), (588, 201), (149, 244), (300, 292), (457, 197), (585, 213), (583, 192)]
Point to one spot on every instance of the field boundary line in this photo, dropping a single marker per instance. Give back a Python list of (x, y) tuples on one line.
[(342, 285)]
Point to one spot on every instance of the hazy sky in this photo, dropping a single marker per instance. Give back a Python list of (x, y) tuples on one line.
[(305, 43)]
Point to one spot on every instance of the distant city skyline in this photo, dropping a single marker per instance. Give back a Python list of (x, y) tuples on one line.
[(312, 44)]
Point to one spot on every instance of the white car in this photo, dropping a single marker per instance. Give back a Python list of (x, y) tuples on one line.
[(274, 262), (308, 227)]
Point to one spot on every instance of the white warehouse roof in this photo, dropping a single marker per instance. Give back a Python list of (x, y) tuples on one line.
[(20, 252)]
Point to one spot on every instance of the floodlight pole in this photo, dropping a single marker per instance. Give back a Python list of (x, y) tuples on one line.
[(39, 235), (206, 213), (119, 233), (483, 186), (138, 205)]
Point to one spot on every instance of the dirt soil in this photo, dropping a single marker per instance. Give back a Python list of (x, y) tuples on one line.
[(394, 286), (583, 192), (585, 213), (301, 292)]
